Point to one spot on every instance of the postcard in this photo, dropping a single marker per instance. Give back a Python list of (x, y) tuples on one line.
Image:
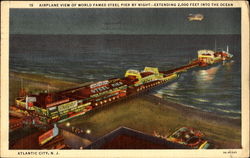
[(124, 79)]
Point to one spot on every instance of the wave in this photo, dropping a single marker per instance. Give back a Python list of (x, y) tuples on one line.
[(201, 100), (226, 104), (227, 111)]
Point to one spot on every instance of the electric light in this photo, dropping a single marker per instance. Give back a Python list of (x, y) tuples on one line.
[(67, 124), (88, 131)]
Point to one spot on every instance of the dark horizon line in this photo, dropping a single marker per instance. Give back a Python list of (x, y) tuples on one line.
[(122, 34)]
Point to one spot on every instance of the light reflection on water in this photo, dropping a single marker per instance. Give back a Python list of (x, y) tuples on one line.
[(207, 75), (205, 89), (205, 78)]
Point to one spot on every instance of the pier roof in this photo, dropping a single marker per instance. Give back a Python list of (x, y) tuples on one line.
[(126, 138)]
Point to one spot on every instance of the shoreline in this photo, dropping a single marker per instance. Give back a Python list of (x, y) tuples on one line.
[(190, 112), (146, 115), (40, 78)]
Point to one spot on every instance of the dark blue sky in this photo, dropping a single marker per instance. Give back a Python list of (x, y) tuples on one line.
[(124, 21)]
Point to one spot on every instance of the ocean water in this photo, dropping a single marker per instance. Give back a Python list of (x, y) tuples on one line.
[(84, 58)]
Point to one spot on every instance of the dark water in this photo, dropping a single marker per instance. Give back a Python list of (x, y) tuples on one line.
[(99, 57)]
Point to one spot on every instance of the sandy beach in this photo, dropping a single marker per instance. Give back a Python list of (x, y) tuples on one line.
[(146, 113), (33, 83)]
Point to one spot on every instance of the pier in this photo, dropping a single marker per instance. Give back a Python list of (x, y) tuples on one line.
[(76, 101)]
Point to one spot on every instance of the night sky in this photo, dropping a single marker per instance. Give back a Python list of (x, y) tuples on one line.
[(124, 21)]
